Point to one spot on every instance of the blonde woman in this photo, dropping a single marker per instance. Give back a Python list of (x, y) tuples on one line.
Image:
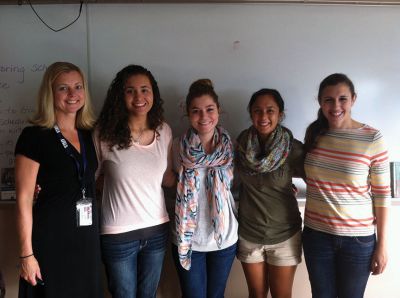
[(58, 235)]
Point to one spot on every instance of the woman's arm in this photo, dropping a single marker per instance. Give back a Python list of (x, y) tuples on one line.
[(99, 187), (99, 175), (380, 258), (298, 160), (26, 171), (169, 178), (380, 190)]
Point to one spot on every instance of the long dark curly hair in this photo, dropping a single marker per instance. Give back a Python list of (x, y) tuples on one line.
[(112, 123)]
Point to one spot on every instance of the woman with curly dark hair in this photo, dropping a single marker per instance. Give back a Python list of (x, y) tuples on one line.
[(133, 146)]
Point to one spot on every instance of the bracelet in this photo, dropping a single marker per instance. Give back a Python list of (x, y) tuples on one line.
[(24, 257)]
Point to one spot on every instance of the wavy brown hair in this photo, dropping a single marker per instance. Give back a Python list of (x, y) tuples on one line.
[(112, 123)]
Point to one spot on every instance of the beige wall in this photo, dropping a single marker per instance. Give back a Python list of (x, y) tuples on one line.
[(386, 285)]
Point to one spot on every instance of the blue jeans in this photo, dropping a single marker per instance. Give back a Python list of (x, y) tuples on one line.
[(133, 268), (208, 273), (338, 266)]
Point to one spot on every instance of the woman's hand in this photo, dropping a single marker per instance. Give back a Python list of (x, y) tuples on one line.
[(380, 256), (379, 260), (36, 192), (29, 270)]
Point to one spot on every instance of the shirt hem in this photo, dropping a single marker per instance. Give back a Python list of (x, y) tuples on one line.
[(124, 229)]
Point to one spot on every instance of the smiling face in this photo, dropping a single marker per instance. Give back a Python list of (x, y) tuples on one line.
[(336, 102), (68, 93), (138, 95), (265, 115), (203, 115)]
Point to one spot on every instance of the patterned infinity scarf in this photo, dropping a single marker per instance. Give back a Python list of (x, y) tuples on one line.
[(219, 165), (277, 149)]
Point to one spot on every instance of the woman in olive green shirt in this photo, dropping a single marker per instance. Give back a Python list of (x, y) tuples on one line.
[(269, 219)]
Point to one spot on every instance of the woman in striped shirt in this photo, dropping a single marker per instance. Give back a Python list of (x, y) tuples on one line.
[(348, 195)]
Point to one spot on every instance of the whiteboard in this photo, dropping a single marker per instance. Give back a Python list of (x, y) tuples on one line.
[(27, 48), (245, 47), (241, 47)]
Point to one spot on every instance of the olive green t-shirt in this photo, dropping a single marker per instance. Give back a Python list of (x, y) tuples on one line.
[(268, 209)]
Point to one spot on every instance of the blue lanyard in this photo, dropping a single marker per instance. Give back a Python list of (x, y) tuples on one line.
[(67, 148)]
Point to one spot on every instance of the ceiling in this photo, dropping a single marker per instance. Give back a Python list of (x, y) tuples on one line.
[(350, 2)]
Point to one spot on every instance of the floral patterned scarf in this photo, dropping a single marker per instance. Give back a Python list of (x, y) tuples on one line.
[(277, 148), (219, 165)]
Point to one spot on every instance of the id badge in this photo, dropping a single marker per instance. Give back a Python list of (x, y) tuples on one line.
[(84, 212)]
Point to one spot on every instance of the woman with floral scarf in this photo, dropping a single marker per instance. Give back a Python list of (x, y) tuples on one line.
[(269, 218), (205, 214)]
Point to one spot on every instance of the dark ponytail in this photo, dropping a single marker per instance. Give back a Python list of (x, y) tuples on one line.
[(321, 125), (315, 129)]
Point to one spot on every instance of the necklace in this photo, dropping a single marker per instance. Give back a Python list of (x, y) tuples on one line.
[(137, 140)]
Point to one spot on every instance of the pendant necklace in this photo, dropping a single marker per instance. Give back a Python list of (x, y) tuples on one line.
[(137, 140)]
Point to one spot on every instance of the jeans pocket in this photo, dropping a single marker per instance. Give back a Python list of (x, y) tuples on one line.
[(230, 250), (157, 242), (116, 251), (365, 241), (307, 233)]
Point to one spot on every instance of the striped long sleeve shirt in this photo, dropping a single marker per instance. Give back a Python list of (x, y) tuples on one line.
[(347, 176)]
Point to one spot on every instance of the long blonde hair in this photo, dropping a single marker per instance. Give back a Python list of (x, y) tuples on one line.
[(45, 114)]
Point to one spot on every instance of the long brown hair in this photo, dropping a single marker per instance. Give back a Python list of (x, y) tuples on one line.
[(321, 125)]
